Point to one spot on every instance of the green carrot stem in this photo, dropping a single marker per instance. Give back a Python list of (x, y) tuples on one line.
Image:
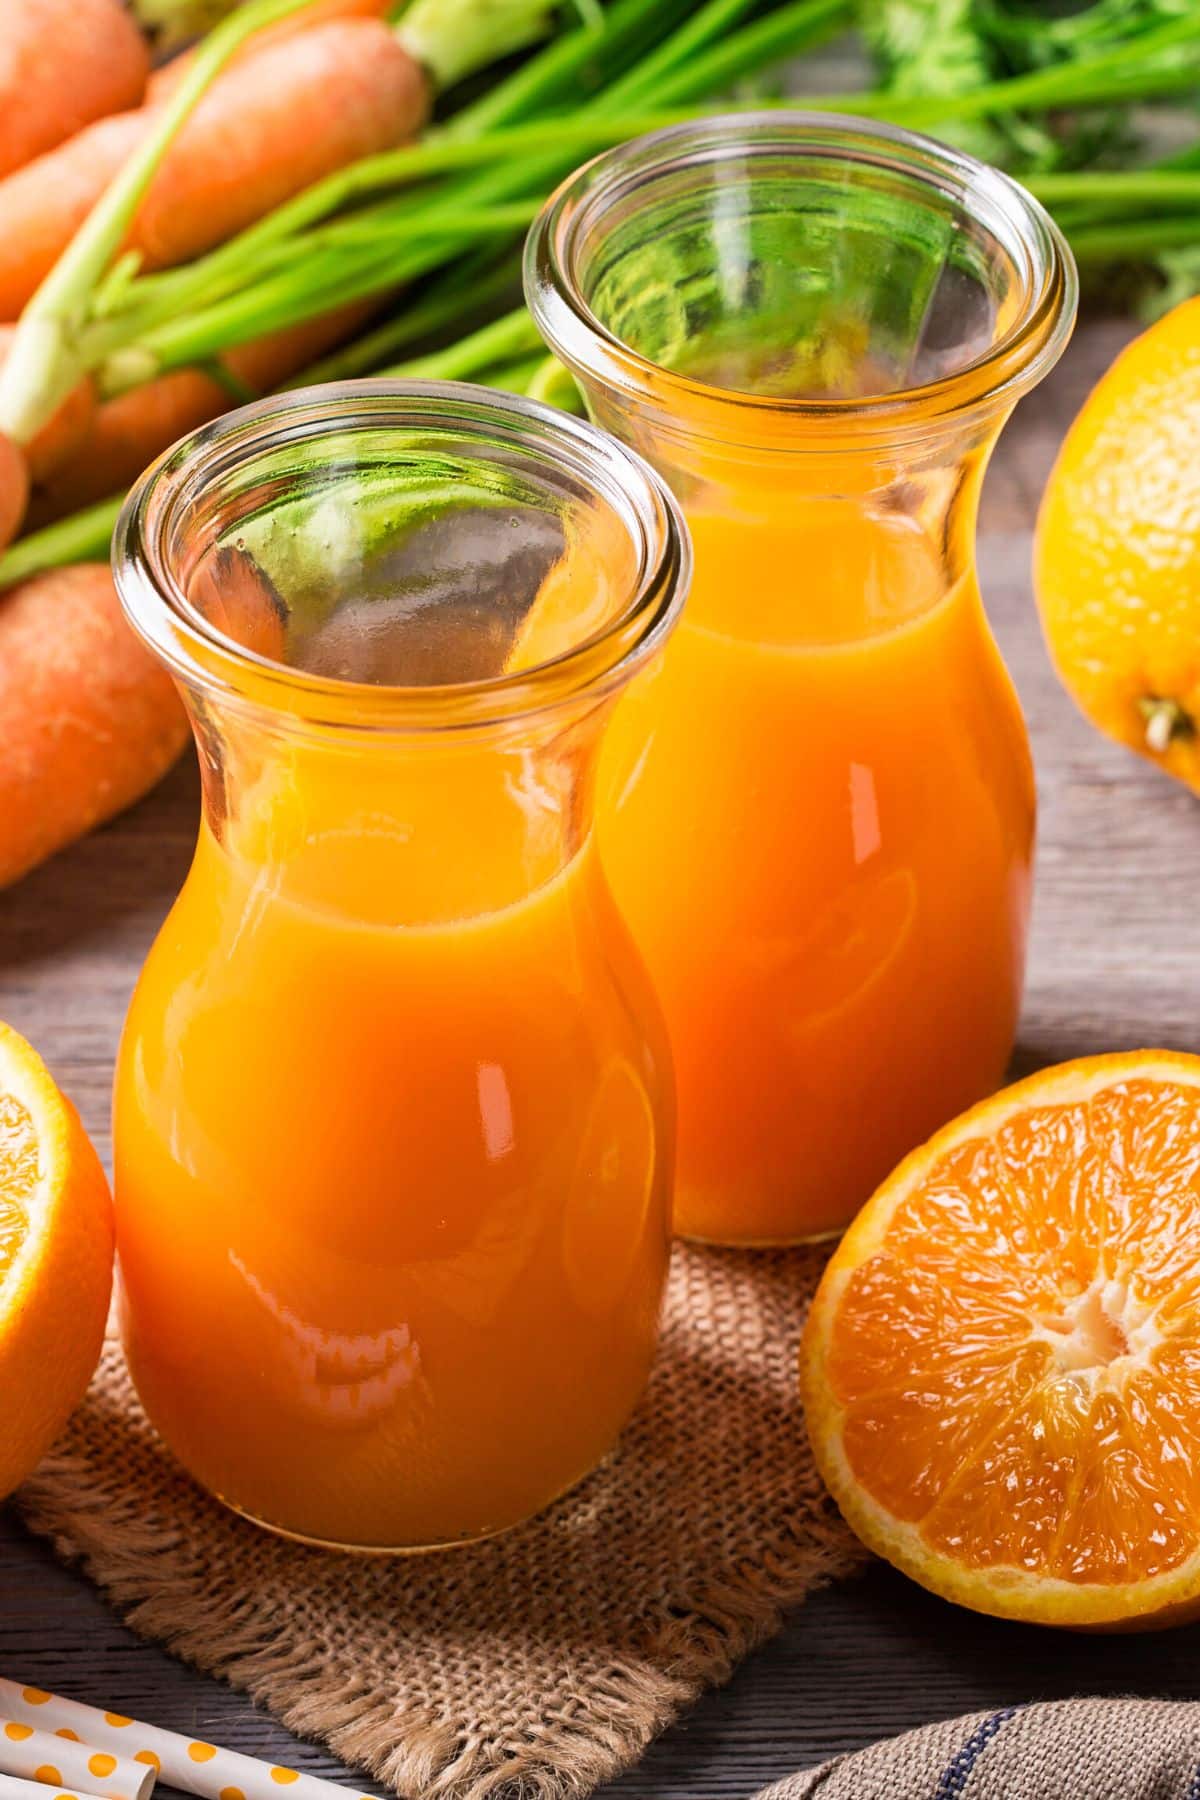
[(696, 32), (575, 64), (453, 38), (512, 378), (360, 267), (553, 382), (538, 173), (501, 341), (1134, 240), (42, 366), (1118, 187), (470, 290), (784, 32), (84, 537), (397, 225)]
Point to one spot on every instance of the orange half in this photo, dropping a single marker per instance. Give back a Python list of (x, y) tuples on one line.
[(56, 1253), (1001, 1369)]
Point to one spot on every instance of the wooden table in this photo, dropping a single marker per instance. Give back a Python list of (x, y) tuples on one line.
[(1115, 965)]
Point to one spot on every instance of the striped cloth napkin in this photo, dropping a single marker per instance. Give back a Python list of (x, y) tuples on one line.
[(1059, 1750)]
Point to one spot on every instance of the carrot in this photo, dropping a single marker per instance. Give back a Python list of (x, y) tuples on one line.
[(64, 63), (14, 489), (43, 204), (89, 721), (273, 124), (240, 154), (164, 80), (237, 598), (127, 433), (63, 436)]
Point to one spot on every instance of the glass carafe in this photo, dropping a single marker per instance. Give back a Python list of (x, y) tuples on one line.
[(394, 1117), (818, 816)]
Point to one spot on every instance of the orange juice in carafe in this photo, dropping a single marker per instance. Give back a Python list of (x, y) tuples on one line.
[(394, 1114), (818, 813), (392, 1196), (838, 802)]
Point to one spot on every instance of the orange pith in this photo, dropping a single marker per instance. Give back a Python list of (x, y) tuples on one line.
[(56, 1239), (1002, 1366)]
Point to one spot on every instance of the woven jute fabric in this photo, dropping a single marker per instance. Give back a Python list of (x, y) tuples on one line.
[(1060, 1750), (536, 1665)]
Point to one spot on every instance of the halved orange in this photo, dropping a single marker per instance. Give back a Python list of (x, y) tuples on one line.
[(1001, 1369), (56, 1253)]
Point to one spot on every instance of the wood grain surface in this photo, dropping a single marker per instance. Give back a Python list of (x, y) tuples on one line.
[(1115, 964)]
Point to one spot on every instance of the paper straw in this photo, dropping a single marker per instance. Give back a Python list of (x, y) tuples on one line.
[(59, 1761), (12, 1787), (187, 1763)]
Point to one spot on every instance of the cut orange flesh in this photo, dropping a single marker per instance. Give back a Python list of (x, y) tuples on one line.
[(1001, 1370), (56, 1249)]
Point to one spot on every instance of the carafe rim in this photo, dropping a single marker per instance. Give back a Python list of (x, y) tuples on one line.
[(204, 659), (988, 385)]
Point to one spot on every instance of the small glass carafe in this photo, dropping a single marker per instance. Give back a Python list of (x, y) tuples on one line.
[(394, 1114), (818, 816)]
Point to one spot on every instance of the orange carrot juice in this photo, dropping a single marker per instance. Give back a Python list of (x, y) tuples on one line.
[(824, 855), (394, 1114), (818, 814)]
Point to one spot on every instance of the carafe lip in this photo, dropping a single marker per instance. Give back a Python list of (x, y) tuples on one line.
[(203, 659), (990, 383)]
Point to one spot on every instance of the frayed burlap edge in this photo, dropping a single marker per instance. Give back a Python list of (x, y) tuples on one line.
[(144, 1577), (589, 1723)]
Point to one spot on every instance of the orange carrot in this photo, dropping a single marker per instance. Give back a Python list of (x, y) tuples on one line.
[(89, 721), (127, 433), (44, 204), (14, 489), (64, 63), (239, 599), (62, 437), (163, 81), (272, 123)]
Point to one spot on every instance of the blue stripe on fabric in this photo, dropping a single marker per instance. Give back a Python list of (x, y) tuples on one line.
[(1192, 1792), (957, 1772)]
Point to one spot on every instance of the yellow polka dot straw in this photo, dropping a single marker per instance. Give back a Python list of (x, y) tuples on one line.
[(58, 1760), (13, 1787), (187, 1763)]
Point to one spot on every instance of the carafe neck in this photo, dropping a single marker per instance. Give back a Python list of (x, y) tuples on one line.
[(405, 831)]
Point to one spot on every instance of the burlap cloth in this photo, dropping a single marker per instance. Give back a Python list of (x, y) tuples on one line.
[(1062, 1750), (536, 1665)]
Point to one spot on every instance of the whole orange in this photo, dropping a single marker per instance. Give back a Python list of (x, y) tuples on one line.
[(1117, 559)]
